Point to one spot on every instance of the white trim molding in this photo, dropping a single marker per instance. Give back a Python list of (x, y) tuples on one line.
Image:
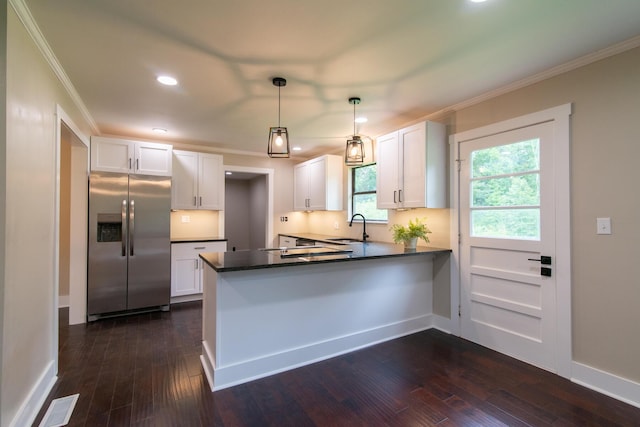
[(28, 412), (24, 14), (606, 383)]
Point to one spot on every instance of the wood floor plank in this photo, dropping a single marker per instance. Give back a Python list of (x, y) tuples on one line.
[(144, 370)]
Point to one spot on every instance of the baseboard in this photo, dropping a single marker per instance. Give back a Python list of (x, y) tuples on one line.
[(208, 363), (63, 301), (33, 403), (186, 298), (441, 323), (239, 373), (606, 383)]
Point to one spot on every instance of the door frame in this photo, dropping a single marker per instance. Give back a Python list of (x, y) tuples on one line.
[(560, 116), (269, 173)]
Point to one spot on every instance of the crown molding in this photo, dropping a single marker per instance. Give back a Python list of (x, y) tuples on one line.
[(24, 14), (551, 72)]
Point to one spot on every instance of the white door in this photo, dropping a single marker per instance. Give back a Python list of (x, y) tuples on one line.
[(507, 224)]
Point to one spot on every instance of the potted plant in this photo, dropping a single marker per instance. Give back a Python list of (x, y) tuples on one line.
[(409, 235)]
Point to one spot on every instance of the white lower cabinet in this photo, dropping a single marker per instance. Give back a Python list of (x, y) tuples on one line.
[(187, 267)]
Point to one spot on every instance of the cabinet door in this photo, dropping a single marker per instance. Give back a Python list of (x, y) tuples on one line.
[(210, 182), (413, 143), (387, 171), (111, 155), (185, 271), (153, 159), (317, 178), (184, 185), (300, 187)]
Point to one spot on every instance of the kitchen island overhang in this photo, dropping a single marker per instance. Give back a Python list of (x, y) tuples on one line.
[(279, 313)]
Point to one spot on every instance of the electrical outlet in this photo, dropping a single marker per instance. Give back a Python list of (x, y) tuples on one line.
[(284, 219), (604, 225), (185, 218), (336, 225)]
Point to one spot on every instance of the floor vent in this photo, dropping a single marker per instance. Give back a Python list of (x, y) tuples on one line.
[(59, 411)]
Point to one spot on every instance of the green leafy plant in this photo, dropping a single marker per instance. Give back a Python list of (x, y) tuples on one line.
[(416, 228)]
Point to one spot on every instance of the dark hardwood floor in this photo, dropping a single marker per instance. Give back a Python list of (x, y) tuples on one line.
[(144, 370)]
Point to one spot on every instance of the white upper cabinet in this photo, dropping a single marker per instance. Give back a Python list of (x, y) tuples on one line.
[(198, 181), (317, 184), (135, 157), (411, 167)]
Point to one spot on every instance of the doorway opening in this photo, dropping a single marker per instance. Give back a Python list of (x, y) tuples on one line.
[(248, 212)]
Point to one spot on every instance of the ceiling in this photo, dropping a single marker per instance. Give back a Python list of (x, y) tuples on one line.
[(406, 60)]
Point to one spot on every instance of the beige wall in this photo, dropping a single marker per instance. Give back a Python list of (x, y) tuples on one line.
[(29, 214), (605, 148)]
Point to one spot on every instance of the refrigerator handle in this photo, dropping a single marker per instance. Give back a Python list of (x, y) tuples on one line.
[(132, 228), (124, 226)]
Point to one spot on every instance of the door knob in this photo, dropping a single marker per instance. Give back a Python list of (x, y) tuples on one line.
[(545, 260)]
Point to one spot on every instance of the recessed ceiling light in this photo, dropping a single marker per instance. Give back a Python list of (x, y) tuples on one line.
[(159, 130), (228, 173), (478, 1), (361, 120), (167, 80), (297, 149)]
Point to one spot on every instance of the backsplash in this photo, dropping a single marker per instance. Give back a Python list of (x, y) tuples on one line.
[(194, 224)]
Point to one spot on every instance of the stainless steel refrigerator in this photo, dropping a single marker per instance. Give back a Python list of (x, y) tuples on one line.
[(129, 266)]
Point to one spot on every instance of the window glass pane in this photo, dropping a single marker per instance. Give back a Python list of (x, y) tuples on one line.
[(519, 190), (364, 178), (365, 204), (506, 223), (518, 157)]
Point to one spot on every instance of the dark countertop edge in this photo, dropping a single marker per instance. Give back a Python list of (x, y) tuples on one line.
[(198, 239), (424, 251)]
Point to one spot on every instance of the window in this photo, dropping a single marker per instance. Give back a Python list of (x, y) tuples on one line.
[(363, 194), (505, 191)]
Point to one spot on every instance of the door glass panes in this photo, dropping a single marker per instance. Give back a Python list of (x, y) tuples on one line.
[(505, 191)]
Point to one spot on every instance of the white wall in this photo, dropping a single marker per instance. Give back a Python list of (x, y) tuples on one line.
[(28, 339)]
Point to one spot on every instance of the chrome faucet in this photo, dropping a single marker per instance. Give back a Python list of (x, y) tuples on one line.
[(364, 226)]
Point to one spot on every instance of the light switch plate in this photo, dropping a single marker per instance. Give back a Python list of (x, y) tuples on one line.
[(604, 225)]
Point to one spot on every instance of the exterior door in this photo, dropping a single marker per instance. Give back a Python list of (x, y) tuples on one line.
[(507, 226)]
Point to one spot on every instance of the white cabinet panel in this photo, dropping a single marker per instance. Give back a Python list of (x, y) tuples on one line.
[(318, 184), (198, 181), (187, 267), (411, 167), (135, 157)]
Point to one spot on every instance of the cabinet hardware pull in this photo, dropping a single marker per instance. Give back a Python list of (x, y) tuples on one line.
[(197, 266), (200, 200), (394, 196), (137, 164), (399, 196), (195, 201), (129, 162), (199, 247)]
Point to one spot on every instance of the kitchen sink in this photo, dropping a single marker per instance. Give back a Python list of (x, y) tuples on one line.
[(343, 240)]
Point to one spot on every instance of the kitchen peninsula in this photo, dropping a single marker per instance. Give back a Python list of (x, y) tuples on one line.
[(267, 311)]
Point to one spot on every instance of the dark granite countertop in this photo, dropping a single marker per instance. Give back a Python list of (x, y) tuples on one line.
[(259, 259), (197, 239)]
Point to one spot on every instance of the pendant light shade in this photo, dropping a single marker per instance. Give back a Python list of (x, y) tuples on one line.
[(354, 154), (278, 136)]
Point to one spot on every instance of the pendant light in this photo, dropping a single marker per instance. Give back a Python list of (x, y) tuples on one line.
[(278, 136), (354, 154)]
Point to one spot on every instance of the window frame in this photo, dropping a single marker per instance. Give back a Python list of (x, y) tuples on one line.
[(353, 193)]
